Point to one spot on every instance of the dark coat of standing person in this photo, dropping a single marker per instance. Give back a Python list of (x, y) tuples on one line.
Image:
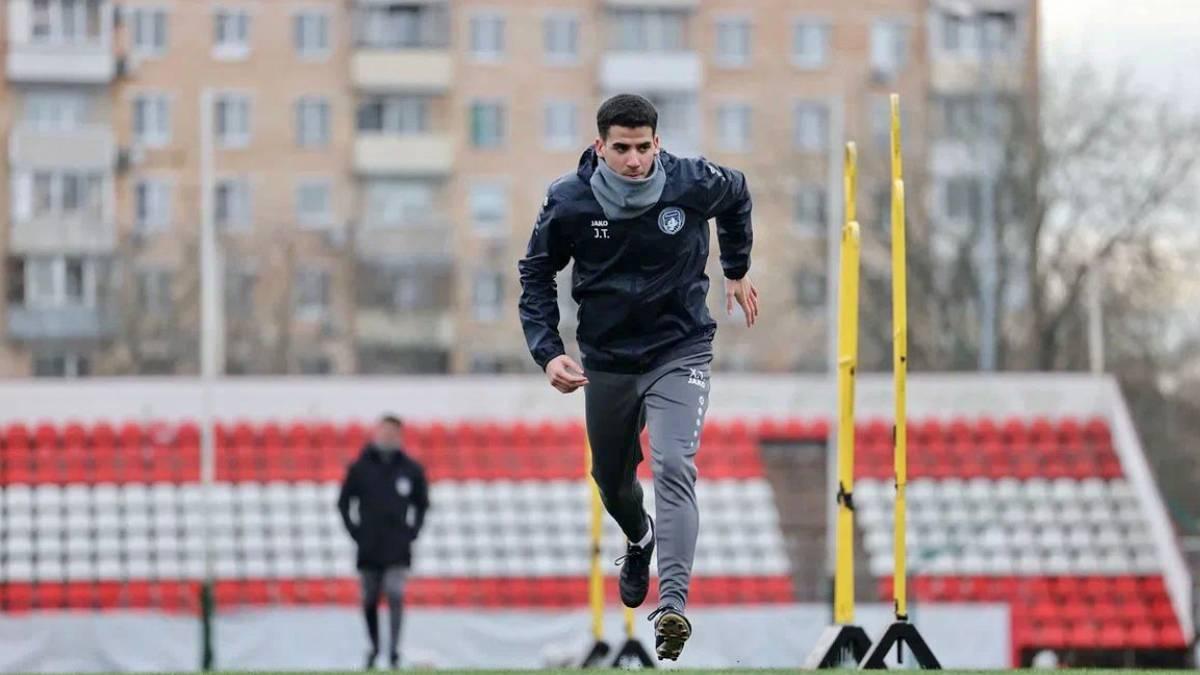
[(383, 502)]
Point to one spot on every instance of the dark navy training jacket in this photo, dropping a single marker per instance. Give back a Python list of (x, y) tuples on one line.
[(640, 283)]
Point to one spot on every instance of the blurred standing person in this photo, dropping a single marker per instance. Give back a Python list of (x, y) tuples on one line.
[(391, 495)]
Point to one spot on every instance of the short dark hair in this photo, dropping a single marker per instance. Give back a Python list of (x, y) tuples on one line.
[(626, 110), (391, 419)]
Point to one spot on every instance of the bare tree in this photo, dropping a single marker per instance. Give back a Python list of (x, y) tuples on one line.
[(1095, 178)]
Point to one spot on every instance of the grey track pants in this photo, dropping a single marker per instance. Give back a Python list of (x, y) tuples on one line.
[(388, 582), (671, 401)]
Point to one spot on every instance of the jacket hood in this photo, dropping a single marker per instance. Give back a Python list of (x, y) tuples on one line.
[(371, 453)]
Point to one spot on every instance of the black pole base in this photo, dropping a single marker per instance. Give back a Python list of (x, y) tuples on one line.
[(839, 645), (897, 635), (632, 656), (596, 655)]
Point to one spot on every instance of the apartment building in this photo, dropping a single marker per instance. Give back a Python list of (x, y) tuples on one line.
[(377, 164)]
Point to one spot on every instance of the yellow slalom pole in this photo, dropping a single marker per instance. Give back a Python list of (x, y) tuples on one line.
[(629, 623), (596, 578), (843, 593), (899, 369)]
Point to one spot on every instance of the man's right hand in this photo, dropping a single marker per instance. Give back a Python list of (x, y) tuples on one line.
[(565, 375)]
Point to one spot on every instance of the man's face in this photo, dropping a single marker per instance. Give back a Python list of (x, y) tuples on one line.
[(388, 436), (629, 151)]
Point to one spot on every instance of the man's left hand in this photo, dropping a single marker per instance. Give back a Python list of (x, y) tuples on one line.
[(743, 291)]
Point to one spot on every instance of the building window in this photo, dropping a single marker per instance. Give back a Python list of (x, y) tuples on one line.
[(487, 298), (733, 127), (811, 289), (560, 128), (312, 122), (152, 205), (677, 122), (152, 120), (811, 126), (231, 33), (560, 35), (733, 42), (962, 199), (55, 110), (809, 210), (314, 202), (889, 48), (487, 37), (648, 30), (402, 26), (310, 34), (55, 281), (489, 207), (488, 124), (810, 44), (68, 364), (232, 207), (399, 202), (68, 193), (149, 30), (66, 21), (407, 286), (316, 364), (312, 293), (394, 115), (233, 120), (154, 290)]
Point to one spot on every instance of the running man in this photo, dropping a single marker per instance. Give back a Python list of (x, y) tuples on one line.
[(635, 220)]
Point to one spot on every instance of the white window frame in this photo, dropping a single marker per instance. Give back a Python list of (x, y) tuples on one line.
[(157, 113), (384, 204), (552, 137), (815, 60), (311, 25), (312, 219), (560, 20), (891, 27), (56, 294), (141, 20), (56, 24), (727, 143), (313, 110), (240, 211), (397, 114), (654, 37), (65, 110), (477, 21), (151, 278), (502, 140), (240, 138), (159, 193), (312, 312), (475, 192), (232, 50), (800, 141), (812, 192), (57, 193), (487, 295), (736, 22)]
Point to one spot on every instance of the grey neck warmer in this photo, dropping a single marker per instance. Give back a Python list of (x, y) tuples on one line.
[(623, 198)]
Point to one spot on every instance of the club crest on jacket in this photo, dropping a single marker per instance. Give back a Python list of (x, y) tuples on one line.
[(671, 219)]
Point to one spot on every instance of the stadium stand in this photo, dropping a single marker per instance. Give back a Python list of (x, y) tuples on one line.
[(1038, 513)]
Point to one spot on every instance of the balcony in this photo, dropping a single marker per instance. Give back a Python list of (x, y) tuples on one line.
[(60, 323), (666, 72), (653, 4), (431, 239), (950, 75), (398, 155), (89, 147), (70, 44), (408, 70), (51, 235), (429, 327)]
